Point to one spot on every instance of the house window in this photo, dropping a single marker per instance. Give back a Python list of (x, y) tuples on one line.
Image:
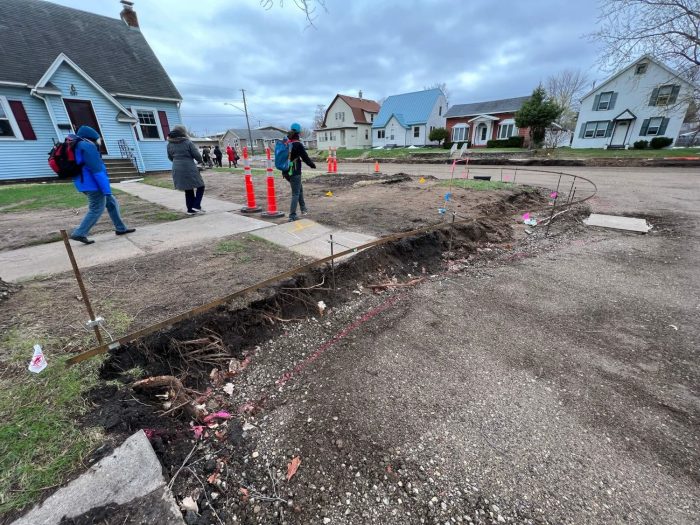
[(664, 95), (148, 124), (371, 117), (381, 133), (416, 131), (440, 111), (482, 132), (654, 125), (595, 129), (459, 133), (340, 115), (432, 128), (506, 131), (8, 125), (604, 101), (366, 134), (641, 69)]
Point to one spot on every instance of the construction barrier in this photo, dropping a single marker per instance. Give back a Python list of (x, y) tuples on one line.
[(271, 197), (249, 189)]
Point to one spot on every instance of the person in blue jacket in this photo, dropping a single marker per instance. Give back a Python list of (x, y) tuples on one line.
[(94, 182)]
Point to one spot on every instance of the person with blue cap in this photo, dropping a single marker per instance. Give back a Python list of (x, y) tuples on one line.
[(93, 181), (297, 153)]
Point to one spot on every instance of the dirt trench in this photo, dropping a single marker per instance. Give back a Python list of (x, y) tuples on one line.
[(234, 335)]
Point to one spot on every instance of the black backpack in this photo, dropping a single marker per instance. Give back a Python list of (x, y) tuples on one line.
[(62, 159)]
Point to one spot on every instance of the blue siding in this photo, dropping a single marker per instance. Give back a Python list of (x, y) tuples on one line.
[(27, 158), (154, 151)]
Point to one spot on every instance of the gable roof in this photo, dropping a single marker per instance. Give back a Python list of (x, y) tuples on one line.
[(413, 108), (116, 56), (631, 65), (504, 105), (358, 107)]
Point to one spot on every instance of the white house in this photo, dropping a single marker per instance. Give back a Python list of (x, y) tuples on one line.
[(408, 119), (647, 99), (347, 123)]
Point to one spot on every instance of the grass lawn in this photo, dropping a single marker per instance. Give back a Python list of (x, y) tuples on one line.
[(622, 153), (24, 197), (479, 185), (40, 444)]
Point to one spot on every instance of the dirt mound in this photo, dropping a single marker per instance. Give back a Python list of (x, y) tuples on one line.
[(346, 180)]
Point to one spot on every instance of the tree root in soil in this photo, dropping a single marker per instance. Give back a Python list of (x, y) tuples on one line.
[(176, 392)]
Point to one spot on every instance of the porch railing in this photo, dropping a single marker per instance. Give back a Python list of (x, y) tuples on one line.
[(126, 152)]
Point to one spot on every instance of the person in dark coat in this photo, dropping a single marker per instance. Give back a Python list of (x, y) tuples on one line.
[(93, 181), (206, 156), (296, 155), (218, 155), (186, 177)]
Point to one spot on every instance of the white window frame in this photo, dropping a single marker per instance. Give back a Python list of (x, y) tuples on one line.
[(416, 132), (136, 110), (667, 95), (459, 137), (381, 133), (656, 127), (503, 132), (11, 118), (606, 101), (598, 126)]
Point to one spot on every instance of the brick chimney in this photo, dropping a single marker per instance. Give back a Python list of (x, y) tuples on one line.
[(128, 15)]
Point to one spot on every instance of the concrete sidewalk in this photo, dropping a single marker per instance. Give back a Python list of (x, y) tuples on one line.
[(304, 237)]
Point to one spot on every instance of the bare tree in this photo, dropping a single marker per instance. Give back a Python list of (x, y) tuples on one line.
[(319, 115), (443, 87), (665, 29), (566, 89), (308, 7)]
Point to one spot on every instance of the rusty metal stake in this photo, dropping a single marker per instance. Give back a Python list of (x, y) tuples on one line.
[(83, 291), (516, 174), (332, 263), (554, 205)]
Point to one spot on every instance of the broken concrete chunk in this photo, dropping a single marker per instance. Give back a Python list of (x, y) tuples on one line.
[(618, 223)]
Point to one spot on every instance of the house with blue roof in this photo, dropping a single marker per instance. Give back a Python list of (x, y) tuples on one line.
[(408, 119), (62, 68)]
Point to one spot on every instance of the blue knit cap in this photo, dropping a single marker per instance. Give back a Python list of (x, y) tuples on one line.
[(295, 127)]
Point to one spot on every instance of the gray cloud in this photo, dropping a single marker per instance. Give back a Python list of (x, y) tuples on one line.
[(482, 50)]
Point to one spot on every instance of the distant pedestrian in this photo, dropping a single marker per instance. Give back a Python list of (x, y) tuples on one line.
[(218, 156), (231, 154), (297, 153), (206, 156), (186, 177), (94, 182)]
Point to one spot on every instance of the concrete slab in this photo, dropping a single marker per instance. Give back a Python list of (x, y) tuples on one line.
[(47, 259), (320, 247), (132, 471), (617, 222), (293, 233), (193, 230), (174, 199)]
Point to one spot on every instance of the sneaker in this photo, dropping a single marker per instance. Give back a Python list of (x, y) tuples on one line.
[(128, 230), (292, 219), (191, 212), (199, 210), (304, 212), (82, 239)]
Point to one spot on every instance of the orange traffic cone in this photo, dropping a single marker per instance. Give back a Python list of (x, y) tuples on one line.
[(376, 166)]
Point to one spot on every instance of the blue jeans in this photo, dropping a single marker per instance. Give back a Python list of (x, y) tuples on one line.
[(297, 195), (97, 202)]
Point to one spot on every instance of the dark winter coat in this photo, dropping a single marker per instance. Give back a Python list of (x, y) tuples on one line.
[(182, 153), (298, 153)]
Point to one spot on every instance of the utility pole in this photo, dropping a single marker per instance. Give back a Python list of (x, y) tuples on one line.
[(250, 135)]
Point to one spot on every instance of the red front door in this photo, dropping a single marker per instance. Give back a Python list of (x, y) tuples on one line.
[(81, 113)]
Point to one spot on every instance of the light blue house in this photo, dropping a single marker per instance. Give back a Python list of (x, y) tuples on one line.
[(408, 119), (61, 68)]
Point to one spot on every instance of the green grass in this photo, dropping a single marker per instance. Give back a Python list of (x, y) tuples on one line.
[(163, 216), (40, 443), (24, 197), (154, 180), (229, 247), (479, 185)]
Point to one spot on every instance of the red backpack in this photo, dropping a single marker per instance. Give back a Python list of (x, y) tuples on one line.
[(62, 159)]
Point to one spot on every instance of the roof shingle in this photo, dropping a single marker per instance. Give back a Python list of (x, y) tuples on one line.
[(34, 32), (505, 105), (409, 108)]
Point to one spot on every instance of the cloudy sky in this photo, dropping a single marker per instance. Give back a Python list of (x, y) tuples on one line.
[(482, 50)]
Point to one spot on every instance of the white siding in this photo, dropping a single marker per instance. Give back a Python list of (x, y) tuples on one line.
[(436, 119), (633, 93), (395, 134)]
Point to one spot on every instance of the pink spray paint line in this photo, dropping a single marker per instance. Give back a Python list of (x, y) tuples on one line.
[(526, 216), (217, 415), (506, 177), (452, 171), (553, 195)]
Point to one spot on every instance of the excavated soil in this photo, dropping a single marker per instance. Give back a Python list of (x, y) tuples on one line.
[(223, 474)]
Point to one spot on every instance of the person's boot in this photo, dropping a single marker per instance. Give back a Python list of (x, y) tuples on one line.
[(128, 230)]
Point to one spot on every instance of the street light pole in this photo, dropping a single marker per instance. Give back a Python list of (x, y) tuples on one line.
[(247, 121)]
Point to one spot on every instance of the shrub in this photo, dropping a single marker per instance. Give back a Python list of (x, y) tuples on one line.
[(660, 142), (516, 141), (447, 144), (499, 143), (641, 144), (438, 134)]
